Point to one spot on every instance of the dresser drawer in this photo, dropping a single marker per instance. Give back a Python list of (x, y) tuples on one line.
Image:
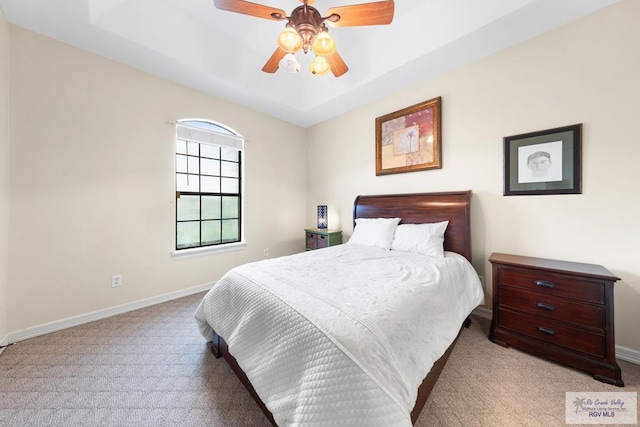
[(553, 332), (551, 284), (554, 308)]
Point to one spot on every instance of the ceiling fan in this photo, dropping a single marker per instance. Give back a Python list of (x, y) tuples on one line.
[(306, 30)]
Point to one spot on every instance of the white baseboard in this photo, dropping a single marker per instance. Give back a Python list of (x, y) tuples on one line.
[(100, 314), (622, 353), (628, 354)]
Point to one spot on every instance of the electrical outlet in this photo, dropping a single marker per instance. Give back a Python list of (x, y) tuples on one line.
[(265, 252), (116, 280)]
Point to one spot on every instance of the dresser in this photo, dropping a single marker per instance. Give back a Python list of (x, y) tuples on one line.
[(559, 310), (317, 238)]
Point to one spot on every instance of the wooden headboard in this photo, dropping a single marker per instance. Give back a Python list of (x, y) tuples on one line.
[(424, 207)]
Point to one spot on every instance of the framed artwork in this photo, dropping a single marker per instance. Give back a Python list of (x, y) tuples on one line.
[(409, 140), (544, 162)]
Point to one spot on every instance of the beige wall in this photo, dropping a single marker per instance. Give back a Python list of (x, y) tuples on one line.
[(92, 187), (585, 72), (4, 175)]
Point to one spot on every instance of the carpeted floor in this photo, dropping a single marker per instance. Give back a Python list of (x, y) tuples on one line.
[(152, 367)]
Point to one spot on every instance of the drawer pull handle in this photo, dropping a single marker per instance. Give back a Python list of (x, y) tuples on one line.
[(545, 306), (546, 330), (544, 284)]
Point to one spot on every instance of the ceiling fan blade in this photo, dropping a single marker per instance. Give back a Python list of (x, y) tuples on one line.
[(273, 63), (337, 64), (377, 13), (248, 8)]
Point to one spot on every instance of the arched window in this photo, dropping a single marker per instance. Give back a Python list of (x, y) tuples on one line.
[(208, 186)]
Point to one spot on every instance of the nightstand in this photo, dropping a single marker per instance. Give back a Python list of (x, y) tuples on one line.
[(559, 310), (317, 238)]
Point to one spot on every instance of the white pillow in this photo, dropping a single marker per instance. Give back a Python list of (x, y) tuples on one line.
[(374, 232), (426, 239)]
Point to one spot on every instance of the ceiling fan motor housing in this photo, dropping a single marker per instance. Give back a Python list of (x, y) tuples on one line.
[(307, 21)]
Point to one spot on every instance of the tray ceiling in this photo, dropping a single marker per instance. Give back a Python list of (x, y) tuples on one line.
[(222, 53)]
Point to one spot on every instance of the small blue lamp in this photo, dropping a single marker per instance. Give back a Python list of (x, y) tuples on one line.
[(322, 216)]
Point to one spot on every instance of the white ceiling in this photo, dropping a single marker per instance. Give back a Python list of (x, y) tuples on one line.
[(222, 53)]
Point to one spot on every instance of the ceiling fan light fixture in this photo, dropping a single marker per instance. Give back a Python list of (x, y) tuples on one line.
[(319, 66), (324, 44), (306, 30), (289, 63), (289, 40)]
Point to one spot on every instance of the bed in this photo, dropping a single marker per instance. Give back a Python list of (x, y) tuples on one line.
[(350, 334)]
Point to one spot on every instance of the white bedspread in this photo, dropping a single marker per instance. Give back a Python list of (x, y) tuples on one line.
[(342, 335)]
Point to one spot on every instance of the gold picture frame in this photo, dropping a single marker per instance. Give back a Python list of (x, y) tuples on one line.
[(410, 140)]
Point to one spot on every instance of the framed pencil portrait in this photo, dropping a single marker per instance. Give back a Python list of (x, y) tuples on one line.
[(409, 140), (544, 162)]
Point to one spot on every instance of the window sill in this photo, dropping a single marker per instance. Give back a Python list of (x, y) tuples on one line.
[(207, 250)]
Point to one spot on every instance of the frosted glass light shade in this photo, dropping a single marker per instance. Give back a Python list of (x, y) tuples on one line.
[(319, 66), (289, 63), (324, 44), (289, 40)]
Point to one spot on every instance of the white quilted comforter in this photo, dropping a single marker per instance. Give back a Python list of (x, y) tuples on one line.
[(342, 335)]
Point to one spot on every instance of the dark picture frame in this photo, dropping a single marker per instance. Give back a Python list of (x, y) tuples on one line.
[(544, 162), (410, 140)]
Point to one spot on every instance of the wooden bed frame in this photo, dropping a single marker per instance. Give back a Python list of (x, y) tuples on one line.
[(413, 209)]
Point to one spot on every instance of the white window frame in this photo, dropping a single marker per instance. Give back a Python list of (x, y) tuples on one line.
[(217, 139)]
